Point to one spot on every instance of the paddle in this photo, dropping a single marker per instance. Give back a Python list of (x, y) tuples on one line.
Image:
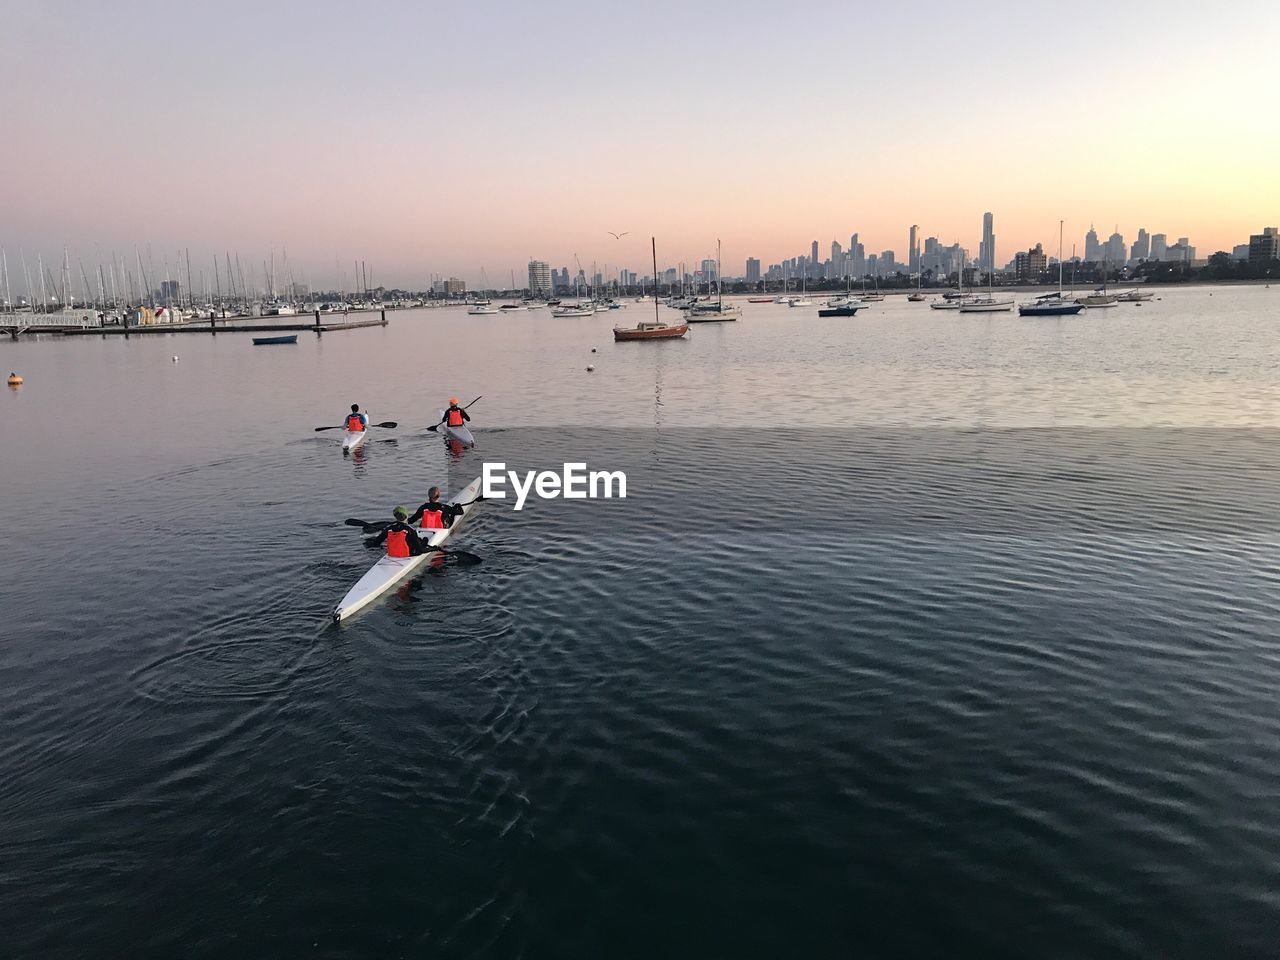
[(385, 425), (380, 525), (435, 426)]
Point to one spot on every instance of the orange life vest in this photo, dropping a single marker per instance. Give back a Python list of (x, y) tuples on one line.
[(432, 520), (455, 417), (354, 423), (397, 544)]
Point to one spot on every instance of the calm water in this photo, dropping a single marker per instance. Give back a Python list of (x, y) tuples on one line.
[(917, 635)]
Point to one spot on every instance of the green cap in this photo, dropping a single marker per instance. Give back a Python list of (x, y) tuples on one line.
[(400, 513)]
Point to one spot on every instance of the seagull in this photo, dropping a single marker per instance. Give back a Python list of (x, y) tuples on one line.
[(617, 236)]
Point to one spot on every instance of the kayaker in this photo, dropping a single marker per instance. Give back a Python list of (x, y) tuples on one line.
[(434, 515), (401, 539), (356, 421), (455, 416)]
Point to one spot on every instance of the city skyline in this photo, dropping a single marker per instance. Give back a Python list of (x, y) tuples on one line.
[(425, 158)]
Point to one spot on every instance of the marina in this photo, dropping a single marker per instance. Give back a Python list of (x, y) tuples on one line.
[(578, 482)]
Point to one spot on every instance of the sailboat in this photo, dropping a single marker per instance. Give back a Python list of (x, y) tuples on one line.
[(952, 301), (802, 300), (990, 303), (654, 329), (845, 306), (1100, 297), (918, 296), (1052, 304), (875, 296), (713, 312), (785, 296)]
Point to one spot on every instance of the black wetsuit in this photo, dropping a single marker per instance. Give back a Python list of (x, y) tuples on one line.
[(465, 416), (448, 512), (417, 546)]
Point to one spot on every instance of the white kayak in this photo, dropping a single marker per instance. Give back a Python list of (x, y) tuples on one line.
[(461, 434), (389, 571), (353, 438)]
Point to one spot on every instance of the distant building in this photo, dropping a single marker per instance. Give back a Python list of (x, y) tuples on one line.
[(1181, 252), (1141, 247), (1264, 246), (913, 249), (1240, 251), (888, 262), (449, 288), (709, 270), (753, 270), (1114, 250), (169, 290), (837, 260), (987, 248), (539, 277), (813, 257), (857, 257), (1159, 246), (1030, 265), (1092, 248)]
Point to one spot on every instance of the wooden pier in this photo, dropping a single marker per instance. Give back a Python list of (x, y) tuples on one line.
[(219, 325)]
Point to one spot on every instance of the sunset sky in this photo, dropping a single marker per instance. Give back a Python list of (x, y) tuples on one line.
[(429, 138)]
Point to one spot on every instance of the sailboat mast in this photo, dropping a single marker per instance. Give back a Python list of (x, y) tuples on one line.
[(719, 281), (653, 243), (1059, 258)]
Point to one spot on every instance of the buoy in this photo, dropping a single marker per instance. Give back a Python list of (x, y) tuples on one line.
[(590, 367), (593, 349), (175, 358), (14, 380)]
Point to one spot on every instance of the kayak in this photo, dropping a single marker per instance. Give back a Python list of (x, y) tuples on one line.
[(353, 438), (461, 434), (389, 571)]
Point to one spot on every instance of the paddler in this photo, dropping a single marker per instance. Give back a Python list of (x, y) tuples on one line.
[(356, 421), (401, 539), (455, 416), (434, 515)]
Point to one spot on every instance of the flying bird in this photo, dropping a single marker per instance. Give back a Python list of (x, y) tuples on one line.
[(617, 236)]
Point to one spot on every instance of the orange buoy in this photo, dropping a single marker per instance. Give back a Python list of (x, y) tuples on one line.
[(14, 380)]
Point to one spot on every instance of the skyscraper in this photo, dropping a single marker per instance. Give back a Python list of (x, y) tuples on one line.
[(1114, 249), (753, 270), (813, 256), (837, 259), (1092, 248), (1142, 246), (1159, 246), (539, 277), (913, 250), (987, 249)]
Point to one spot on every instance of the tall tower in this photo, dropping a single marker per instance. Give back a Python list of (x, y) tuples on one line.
[(987, 249), (813, 260), (913, 250)]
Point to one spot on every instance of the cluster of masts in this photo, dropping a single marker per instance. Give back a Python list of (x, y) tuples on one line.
[(125, 283)]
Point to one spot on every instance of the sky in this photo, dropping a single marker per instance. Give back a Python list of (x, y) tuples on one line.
[(433, 138)]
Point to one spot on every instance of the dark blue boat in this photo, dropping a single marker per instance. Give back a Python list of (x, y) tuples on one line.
[(263, 341)]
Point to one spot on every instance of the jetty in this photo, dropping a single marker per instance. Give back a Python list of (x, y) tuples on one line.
[(321, 323)]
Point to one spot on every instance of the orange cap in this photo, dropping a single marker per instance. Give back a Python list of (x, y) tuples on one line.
[(453, 399)]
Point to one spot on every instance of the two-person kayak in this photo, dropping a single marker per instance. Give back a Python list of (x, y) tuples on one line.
[(389, 571)]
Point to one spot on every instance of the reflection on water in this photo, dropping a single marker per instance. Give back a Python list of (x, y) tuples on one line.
[(890, 650)]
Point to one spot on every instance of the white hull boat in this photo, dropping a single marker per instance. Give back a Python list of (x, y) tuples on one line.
[(389, 571)]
